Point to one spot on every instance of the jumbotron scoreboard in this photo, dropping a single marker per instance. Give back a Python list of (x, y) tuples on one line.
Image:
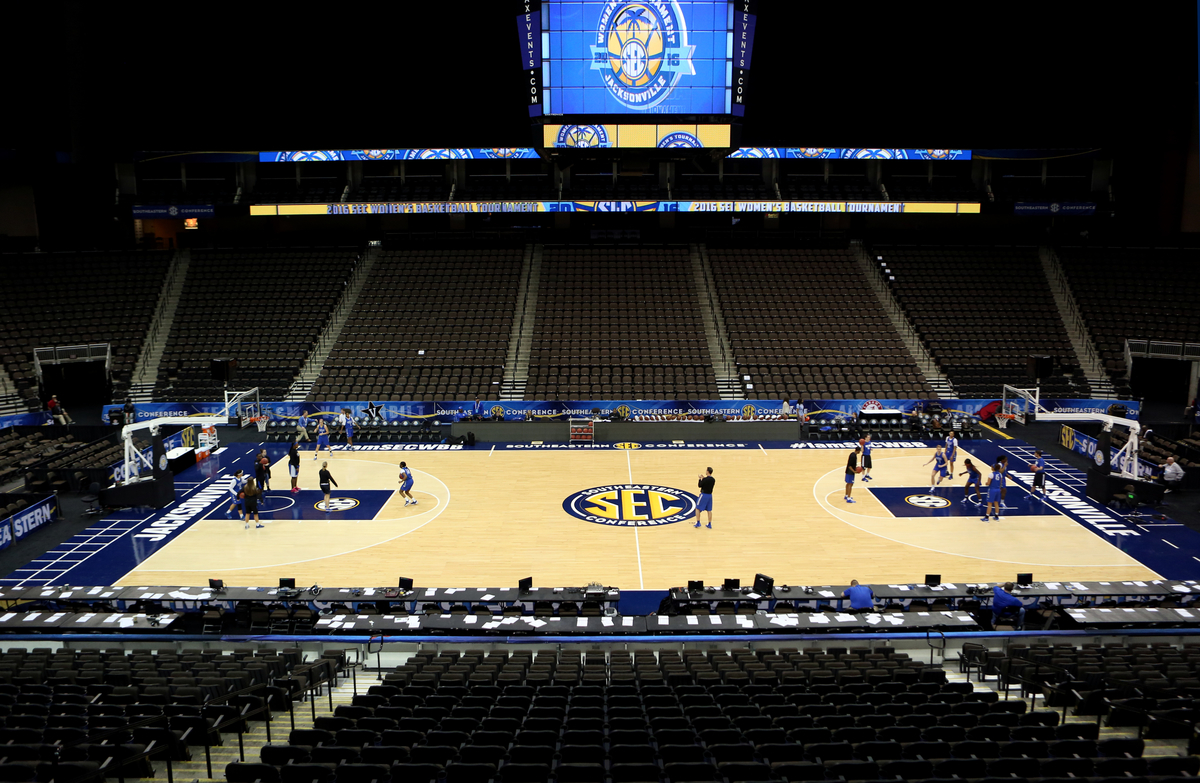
[(590, 66)]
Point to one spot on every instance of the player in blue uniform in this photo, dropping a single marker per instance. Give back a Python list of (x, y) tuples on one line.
[(1003, 462), (951, 452), (406, 484), (865, 443), (939, 468), (973, 480), (322, 439), (995, 484), (235, 489), (1038, 466), (348, 428)]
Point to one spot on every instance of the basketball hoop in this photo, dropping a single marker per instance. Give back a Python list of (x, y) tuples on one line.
[(1002, 419), (260, 422)]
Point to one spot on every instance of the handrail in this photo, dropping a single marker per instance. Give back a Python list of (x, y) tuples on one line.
[(1058, 279), (929, 641), (151, 721), (1043, 685), (1150, 717), (925, 360), (1107, 683)]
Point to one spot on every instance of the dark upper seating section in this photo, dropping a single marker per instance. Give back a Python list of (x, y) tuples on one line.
[(265, 308), (60, 299), (981, 313), (21, 451), (428, 325), (618, 324), (1134, 294), (805, 324)]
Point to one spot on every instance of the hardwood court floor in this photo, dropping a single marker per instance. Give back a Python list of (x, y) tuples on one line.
[(487, 519)]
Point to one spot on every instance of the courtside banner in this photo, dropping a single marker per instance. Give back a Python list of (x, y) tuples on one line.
[(453, 410), (984, 408), (637, 410), (1076, 441), (469, 207), (26, 419), (28, 519)]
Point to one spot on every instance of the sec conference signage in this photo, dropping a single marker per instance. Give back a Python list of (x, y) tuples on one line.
[(468, 207), (632, 505)]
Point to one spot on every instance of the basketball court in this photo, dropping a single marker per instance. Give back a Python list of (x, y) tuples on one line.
[(619, 514)]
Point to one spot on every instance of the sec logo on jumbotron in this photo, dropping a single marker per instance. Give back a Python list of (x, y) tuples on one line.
[(632, 505)]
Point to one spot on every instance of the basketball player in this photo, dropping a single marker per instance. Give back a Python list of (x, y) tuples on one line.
[(951, 453), (262, 470), (406, 484), (235, 489), (939, 468), (851, 469), (348, 428), (973, 478), (294, 465), (1038, 466), (866, 457), (706, 484), (325, 478), (995, 484), (322, 439), (1003, 462), (251, 494)]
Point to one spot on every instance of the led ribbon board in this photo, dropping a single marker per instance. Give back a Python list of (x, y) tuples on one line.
[(468, 207)]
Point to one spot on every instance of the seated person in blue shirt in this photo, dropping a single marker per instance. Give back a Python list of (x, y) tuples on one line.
[(1002, 598), (862, 597)]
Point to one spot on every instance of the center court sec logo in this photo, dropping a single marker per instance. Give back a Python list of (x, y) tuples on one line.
[(336, 504), (642, 51), (632, 505), (927, 501)]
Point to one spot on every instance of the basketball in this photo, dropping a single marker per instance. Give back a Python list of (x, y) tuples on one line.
[(858, 470)]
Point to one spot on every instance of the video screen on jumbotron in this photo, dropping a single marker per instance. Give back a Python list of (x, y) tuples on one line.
[(605, 57)]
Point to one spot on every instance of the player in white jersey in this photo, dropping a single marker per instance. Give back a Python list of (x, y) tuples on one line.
[(235, 489)]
